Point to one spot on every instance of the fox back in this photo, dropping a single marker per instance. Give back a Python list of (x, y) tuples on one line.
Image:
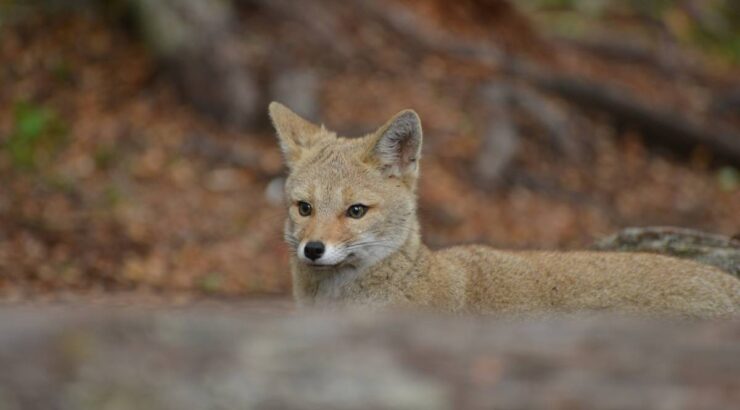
[(354, 235)]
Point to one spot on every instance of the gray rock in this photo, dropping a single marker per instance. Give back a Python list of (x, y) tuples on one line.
[(297, 88), (198, 43), (207, 358), (717, 250)]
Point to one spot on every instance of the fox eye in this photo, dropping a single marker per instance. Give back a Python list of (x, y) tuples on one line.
[(356, 211), (304, 208)]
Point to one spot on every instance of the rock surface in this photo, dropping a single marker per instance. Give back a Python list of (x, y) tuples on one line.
[(720, 251), (198, 43), (213, 358)]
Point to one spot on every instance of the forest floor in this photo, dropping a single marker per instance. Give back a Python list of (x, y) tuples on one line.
[(110, 182)]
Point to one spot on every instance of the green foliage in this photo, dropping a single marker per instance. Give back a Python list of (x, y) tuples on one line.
[(37, 135), (105, 157), (728, 178), (653, 8), (711, 25), (112, 196), (62, 71), (718, 30), (211, 283)]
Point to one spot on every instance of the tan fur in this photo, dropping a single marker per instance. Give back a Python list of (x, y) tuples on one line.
[(384, 262)]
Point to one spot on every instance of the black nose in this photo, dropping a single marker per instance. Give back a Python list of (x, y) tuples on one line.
[(314, 250)]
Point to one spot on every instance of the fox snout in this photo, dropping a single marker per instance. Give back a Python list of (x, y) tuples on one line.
[(319, 253), (314, 250)]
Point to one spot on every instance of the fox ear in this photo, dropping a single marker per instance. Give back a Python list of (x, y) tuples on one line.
[(398, 144), (294, 133)]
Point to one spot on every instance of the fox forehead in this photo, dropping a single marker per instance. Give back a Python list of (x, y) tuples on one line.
[(335, 194), (334, 172), (327, 170)]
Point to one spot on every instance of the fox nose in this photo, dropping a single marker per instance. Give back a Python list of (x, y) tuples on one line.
[(314, 250)]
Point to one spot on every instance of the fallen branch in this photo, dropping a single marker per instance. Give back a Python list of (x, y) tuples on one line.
[(664, 60), (407, 25), (660, 125), (501, 139), (554, 121), (501, 134)]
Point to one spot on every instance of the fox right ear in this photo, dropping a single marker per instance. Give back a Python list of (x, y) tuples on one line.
[(294, 133), (397, 145)]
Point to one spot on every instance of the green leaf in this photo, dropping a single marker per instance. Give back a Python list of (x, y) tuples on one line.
[(728, 178)]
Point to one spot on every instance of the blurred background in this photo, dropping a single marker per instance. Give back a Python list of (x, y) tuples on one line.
[(136, 154)]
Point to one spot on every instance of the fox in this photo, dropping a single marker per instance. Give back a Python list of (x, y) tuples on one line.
[(354, 239)]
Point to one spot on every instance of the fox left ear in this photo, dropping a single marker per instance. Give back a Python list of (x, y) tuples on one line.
[(294, 133), (398, 144)]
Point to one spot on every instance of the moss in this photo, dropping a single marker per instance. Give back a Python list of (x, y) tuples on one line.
[(37, 135), (211, 283)]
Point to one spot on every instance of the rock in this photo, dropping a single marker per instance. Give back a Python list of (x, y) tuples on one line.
[(717, 250), (196, 358), (197, 41), (298, 89), (224, 180), (275, 191)]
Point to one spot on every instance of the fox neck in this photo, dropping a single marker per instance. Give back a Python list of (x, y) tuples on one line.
[(312, 285)]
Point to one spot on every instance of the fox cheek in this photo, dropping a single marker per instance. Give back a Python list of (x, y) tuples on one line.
[(294, 229)]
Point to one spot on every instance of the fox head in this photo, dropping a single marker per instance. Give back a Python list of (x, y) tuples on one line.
[(351, 201)]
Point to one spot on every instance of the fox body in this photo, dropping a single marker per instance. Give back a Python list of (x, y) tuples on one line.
[(354, 233)]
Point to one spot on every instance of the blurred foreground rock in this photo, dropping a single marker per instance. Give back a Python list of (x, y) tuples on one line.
[(69, 358), (720, 251)]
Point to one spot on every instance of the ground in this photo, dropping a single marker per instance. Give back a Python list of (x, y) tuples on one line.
[(109, 181)]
